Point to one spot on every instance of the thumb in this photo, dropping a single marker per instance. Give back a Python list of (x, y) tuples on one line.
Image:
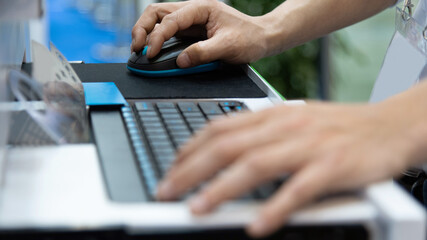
[(200, 53)]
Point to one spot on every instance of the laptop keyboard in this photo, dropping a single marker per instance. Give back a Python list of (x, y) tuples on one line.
[(158, 129)]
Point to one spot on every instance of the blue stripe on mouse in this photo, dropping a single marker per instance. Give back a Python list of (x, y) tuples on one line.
[(164, 64)]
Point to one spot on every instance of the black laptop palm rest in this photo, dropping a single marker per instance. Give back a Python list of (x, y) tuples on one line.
[(117, 160)]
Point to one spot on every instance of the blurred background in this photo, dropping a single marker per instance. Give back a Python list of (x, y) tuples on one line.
[(341, 67)]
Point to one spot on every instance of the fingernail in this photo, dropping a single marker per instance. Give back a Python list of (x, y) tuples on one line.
[(166, 191), (258, 228), (199, 204), (184, 60)]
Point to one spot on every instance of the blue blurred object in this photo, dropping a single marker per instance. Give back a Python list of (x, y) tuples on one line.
[(92, 30), (103, 94)]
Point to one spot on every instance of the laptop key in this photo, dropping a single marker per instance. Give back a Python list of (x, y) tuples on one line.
[(157, 137), (133, 130), (163, 150), (177, 127), (162, 146), (127, 115), (210, 108), (193, 114), (156, 130), (165, 162), (171, 116), (162, 105), (181, 134), (174, 122), (196, 120), (188, 107), (150, 119), (148, 125), (168, 110), (148, 114), (197, 126), (180, 141), (176, 130), (237, 108), (227, 109), (213, 117), (144, 106), (230, 104)]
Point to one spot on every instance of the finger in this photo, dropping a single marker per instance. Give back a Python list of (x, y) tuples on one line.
[(209, 159), (152, 15), (252, 169), (283, 118), (219, 127), (202, 52), (181, 19), (311, 182)]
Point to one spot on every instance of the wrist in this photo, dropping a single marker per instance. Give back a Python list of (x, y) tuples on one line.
[(275, 33), (407, 114), (284, 27)]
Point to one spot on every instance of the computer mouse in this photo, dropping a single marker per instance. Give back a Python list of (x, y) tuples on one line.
[(164, 64)]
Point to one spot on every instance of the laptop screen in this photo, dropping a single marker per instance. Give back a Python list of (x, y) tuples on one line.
[(4, 118)]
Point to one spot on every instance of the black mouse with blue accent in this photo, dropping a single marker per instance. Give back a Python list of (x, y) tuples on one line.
[(164, 64)]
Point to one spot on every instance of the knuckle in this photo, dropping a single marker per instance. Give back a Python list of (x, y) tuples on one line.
[(156, 36), (152, 7), (170, 18), (135, 31), (209, 3)]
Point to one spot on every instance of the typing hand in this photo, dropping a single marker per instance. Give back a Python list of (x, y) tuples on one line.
[(232, 35), (326, 147)]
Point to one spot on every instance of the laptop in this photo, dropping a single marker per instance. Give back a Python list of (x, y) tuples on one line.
[(106, 185)]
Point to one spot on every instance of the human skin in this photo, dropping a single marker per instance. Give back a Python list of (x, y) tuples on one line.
[(326, 147), (238, 38)]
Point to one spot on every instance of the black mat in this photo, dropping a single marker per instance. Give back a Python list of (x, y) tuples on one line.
[(226, 82)]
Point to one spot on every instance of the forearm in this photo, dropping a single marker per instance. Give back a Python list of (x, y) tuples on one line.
[(297, 21), (409, 110)]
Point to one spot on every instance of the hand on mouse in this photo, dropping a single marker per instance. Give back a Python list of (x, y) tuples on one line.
[(326, 147), (232, 35)]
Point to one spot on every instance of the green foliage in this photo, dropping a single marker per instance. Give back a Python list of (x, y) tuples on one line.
[(292, 73)]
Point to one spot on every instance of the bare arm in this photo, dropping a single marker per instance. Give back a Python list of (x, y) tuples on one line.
[(297, 21), (238, 38)]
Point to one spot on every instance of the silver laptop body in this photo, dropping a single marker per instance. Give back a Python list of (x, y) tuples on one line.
[(63, 188)]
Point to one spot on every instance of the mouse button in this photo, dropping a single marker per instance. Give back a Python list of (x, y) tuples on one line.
[(142, 60), (171, 41), (170, 45), (172, 53), (134, 57)]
